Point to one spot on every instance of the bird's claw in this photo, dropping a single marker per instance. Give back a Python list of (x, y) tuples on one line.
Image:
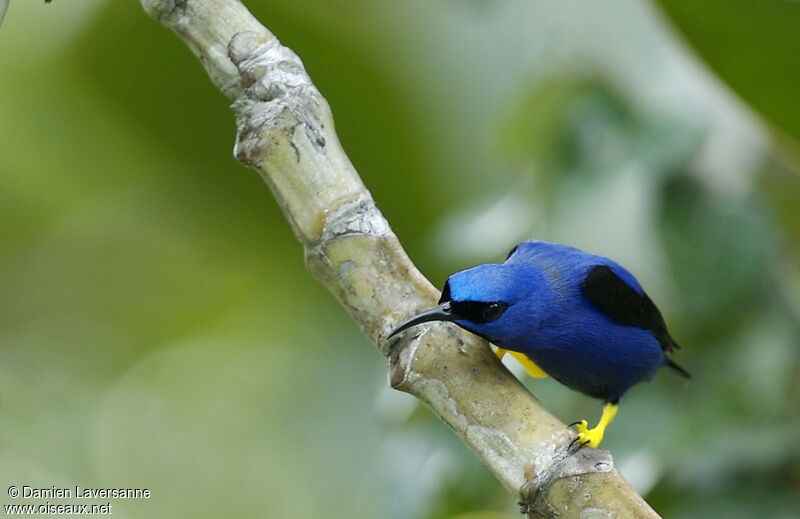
[(576, 441), (572, 444), (585, 436)]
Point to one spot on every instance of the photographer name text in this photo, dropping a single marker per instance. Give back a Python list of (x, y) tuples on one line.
[(77, 492)]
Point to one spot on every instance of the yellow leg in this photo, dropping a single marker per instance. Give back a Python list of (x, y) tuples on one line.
[(593, 437), (530, 366)]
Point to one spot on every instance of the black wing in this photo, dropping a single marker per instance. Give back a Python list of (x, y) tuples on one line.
[(624, 305)]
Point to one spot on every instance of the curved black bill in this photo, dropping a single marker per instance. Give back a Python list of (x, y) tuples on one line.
[(443, 312)]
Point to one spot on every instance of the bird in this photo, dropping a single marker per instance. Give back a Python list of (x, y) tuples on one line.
[(578, 317)]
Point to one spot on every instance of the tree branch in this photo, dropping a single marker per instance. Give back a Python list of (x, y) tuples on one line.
[(285, 131)]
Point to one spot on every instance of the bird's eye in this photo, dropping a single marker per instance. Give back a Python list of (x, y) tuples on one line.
[(493, 311)]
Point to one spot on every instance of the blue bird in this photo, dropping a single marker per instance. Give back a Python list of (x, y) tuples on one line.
[(578, 317)]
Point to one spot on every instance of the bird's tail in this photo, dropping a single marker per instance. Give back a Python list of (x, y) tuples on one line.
[(679, 369)]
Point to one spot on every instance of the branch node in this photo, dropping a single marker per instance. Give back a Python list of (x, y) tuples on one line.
[(566, 465), (401, 354), (276, 95), (163, 9), (269, 71), (359, 216), (397, 368)]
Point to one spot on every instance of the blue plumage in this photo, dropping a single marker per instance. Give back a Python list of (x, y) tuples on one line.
[(551, 320), (582, 318)]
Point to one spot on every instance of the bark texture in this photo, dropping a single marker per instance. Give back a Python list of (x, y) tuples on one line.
[(286, 132)]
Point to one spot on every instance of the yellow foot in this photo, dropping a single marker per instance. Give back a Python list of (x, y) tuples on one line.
[(593, 437), (589, 437), (531, 367)]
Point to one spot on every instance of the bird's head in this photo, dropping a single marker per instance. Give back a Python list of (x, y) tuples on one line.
[(482, 300)]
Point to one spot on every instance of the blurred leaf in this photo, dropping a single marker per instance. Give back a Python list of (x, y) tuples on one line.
[(784, 189), (716, 248), (754, 45), (563, 125), (576, 132)]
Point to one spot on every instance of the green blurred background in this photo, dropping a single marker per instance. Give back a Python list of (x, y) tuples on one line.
[(157, 326)]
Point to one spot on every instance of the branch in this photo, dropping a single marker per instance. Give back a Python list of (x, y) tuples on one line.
[(285, 132)]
